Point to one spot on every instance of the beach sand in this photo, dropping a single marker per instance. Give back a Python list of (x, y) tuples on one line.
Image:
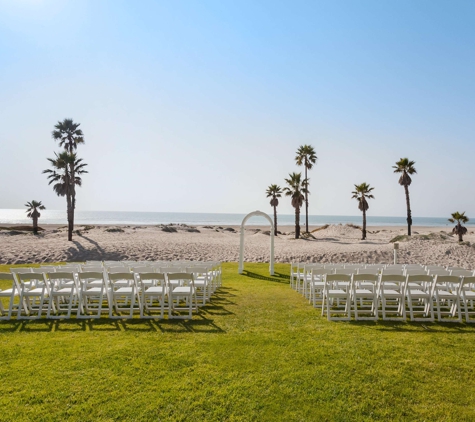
[(336, 243)]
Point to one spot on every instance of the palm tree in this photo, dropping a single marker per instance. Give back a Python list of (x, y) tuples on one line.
[(406, 167), (64, 182), (274, 192), (307, 157), (361, 194), (69, 136), (296, 189), (459, 229), (32, 210)]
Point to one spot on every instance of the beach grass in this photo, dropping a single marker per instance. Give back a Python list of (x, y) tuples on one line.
[(258, 352)]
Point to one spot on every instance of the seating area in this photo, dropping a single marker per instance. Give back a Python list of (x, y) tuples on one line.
[(109, 289), (392, 292)]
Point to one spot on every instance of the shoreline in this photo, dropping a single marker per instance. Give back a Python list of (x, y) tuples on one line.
[(286, 228)]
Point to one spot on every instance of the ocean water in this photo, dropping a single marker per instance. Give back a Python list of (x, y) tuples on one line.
[(18, 216)]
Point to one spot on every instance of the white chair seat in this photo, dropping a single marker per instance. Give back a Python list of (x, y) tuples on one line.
[(363, 292), (6, 293), (123, 290), (183, 290), (337, 293), (155, 289), (419, 294), (393, 293), (445, 293), (66, 290), (34, 292), (93, 291)]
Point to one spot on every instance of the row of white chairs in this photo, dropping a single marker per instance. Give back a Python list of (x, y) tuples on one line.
[(364, 292), (300, 273), (74, 290)]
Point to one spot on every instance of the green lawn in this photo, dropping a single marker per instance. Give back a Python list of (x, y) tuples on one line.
[(258, 352)]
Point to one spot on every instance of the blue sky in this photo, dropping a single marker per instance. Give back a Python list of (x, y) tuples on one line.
[(199, 106)]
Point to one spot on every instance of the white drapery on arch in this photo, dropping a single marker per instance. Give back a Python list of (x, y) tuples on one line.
[(241, 248)]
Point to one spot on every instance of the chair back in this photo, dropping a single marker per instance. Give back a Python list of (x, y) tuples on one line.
[(365, 277), (347, 271), (59, 279), (416, 271), (342, 281), (392, 271), (447, 282), (461, 273), (392, 281), (184, 279)]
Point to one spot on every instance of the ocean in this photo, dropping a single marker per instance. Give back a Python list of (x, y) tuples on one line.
[(18, 216)]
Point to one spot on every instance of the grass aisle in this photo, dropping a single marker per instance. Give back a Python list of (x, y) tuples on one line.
[(258, 352)]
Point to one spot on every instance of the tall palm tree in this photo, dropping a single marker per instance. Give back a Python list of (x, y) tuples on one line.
[(274, 192), (69, 136), (406, 168), (361, 193), (33, 213), (296, 189), (307, 157), (65, 182), (459, 229)]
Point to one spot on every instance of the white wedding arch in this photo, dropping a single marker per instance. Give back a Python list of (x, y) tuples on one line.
[(241, 248)]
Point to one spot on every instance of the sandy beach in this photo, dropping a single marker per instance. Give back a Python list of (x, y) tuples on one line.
[(336, 243)]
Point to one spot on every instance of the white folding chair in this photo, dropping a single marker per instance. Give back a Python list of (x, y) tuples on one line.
[(306, 277), (446, 295), (124, 295), (181, 295), (201, 281), (391, 297), (317, 286), (467, 296), (64, 294), (337, 295), (419, 297), (153, 293), (11, 291), (296, 275), (93, 293), (364, 292), (34, 295)]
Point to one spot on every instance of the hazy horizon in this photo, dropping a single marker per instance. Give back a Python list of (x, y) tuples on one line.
[(200, 106)]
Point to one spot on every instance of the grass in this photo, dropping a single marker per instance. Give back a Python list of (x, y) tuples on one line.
[(258, 352)]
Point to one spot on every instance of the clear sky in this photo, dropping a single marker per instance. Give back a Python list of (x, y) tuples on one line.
[(200, 105)]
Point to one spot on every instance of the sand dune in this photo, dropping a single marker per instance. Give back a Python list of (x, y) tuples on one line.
[(336, 243)]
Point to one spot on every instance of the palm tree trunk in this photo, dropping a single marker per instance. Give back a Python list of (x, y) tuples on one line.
[(459, 227), (409, 216), (297, 222), (275, 220), (70, 220), (364, 225), (306, 200), (69, 202), (35, 225), (73, 201)]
